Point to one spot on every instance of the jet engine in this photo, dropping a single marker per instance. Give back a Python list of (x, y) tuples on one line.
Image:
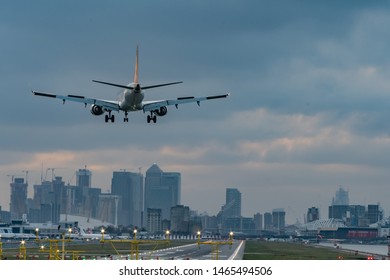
[(162, 111), (96, 110)]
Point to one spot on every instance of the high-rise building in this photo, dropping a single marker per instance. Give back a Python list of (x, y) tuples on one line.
[(341, 198), (232, 206), (59, 202), (93, 197), (374, 213), (153, 221), (18, 202), (162, 190), (278, 219), (233, 203), (129, 187), (231, 210), (210, 224), (83, 178), (338, 212), (42, 194), (313, 214), (268, 221), (42, 203), (356, 216), (258, 220), (180, 219)]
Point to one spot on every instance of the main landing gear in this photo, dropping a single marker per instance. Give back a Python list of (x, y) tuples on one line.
[(109, 117), (151, 117)]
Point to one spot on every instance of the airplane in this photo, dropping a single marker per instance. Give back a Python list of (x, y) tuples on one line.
[(92, 236), (131, 100)]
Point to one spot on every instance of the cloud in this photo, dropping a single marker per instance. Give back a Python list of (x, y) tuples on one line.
[(308, 108)]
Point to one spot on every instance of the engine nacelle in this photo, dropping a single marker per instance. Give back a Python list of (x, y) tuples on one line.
[(162, 111), (97, 110)]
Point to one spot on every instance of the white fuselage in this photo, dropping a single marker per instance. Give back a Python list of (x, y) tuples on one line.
[(131, 100)]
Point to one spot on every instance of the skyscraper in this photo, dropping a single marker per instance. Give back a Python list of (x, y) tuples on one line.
[(180, 219), (83, 178), (233, 203), (162, 190), (50, 200), (18, 204), (313, 214), (153, 220), (341, 198), (232, 207), (268, 221), (374, 213), (129, 187), (230, 215), (278, 219), (258, 220)]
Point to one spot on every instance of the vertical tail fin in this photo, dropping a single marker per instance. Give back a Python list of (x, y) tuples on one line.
[(136, 68)]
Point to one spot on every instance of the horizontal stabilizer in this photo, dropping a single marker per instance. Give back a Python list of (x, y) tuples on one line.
[(161, 85), (130, 87), (112, 84)]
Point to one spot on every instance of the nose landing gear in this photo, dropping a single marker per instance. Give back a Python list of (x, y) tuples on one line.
[(126, 119)]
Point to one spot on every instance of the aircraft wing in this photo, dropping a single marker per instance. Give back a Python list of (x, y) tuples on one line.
[(107, 105), (155, 105)]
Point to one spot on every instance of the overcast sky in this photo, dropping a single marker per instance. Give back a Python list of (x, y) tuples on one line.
[(309, 109)]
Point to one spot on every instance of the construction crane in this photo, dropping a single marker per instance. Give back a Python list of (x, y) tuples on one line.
[(26, 171), (73, 175), (52, 172), (12, 177)]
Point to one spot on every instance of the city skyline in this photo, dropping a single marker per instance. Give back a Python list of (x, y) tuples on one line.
[(231, 202), (308, 109)]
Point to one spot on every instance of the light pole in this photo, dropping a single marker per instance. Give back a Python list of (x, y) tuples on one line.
[(63, 245), (22, 250), (198, 235), (102, 232), (135, 245), (69, 232), (36, 234), (231, 234), (1, 249), (167, 233)]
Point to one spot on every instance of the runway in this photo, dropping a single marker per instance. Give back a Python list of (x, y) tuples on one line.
[(199, 252)]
